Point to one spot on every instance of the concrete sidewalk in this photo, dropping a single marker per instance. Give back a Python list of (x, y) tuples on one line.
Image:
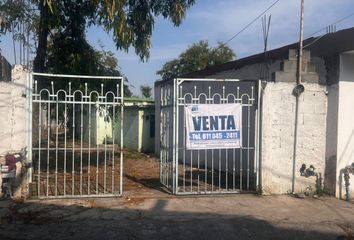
[(169, 217)]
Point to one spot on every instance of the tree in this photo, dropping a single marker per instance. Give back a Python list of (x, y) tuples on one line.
[(146, 91), (129, 22), (64, 58), (68, 52), (197, 57)]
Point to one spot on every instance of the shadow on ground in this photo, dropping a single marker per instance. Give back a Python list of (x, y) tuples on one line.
[(85, 220), (148, 212)]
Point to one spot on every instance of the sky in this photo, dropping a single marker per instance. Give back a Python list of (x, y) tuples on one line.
[(219, 20)]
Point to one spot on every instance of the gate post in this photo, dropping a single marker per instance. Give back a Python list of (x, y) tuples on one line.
[(257, 135), (29, 129), (175, 140), (177, 131), (121, 136)]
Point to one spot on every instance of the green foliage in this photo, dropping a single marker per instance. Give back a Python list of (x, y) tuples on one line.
[(68, 49), (146, 91), (59, 27), (84, 61), (129, 22), (197, 57), (70, 53), (16, 17), (132, 22), (11, 14)]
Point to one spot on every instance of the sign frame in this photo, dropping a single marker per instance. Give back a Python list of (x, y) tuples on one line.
[(213, 126)]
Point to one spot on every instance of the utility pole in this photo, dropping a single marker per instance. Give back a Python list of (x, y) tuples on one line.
[(299, 88), (299, 59)]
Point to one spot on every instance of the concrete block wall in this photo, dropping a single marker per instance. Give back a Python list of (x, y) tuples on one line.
[(278, 136), (278, 141)]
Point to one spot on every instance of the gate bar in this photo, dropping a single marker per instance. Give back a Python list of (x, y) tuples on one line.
[(29, 126), (175, 138), (257, 138), (121, 134)]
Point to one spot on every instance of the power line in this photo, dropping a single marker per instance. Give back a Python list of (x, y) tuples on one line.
[(243, 29), (336, 22), (324, 28)]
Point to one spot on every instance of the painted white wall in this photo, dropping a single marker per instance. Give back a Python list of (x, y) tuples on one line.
[(345, 148), (13, 111)]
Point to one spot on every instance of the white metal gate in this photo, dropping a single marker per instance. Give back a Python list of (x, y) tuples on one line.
[(77, 135), (208, 171)]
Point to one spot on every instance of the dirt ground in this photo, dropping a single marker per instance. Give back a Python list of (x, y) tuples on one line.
[(141, 175), (147, 212)]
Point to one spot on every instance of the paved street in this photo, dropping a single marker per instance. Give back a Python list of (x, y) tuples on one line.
[(156, 215)]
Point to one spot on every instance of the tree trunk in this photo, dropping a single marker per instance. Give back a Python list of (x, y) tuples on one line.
[(43, 31)]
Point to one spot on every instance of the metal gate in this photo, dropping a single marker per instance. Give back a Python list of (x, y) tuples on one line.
[(76, 135), (208, 171)]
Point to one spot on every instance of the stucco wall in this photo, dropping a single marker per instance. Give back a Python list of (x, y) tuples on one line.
[(345, 146), (13, 112)]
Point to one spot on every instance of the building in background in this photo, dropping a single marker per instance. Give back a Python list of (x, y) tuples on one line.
[(139, 124), (138, 129)]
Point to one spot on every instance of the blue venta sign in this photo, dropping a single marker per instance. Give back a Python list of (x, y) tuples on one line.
[(213, 126)]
